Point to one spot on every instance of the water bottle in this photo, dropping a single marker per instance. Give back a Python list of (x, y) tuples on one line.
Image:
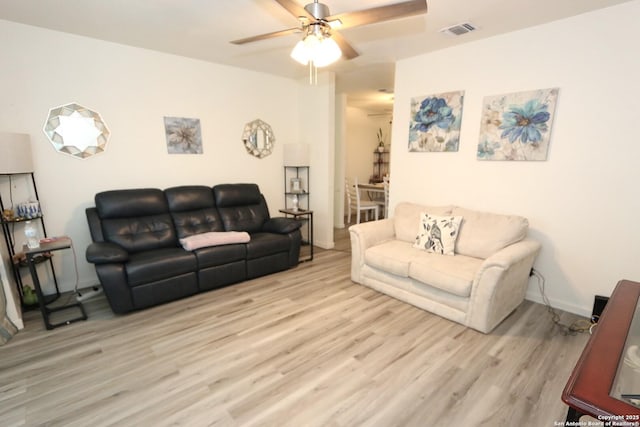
[(31, 233)]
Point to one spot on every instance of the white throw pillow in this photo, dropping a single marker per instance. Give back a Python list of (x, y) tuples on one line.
[(437, 234)]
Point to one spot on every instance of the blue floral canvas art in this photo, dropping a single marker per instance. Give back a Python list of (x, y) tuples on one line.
[(517, 126), (435, 122)]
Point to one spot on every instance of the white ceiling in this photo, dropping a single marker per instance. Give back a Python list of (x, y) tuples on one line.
[(203, 28)]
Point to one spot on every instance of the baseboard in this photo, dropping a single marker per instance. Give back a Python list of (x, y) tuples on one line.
[(534, 295), (324, 244)]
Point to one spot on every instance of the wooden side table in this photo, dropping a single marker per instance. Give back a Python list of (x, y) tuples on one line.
[(305, 216), (590, 389), (46, 302)]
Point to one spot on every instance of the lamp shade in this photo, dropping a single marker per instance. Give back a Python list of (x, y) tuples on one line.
[(322, 51), (296, 154), (15, 153)]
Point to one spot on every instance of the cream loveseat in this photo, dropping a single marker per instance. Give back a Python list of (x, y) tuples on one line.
[(478, 286)]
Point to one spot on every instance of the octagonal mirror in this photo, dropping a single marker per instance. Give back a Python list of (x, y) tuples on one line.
[(76, 130), (258, 138)]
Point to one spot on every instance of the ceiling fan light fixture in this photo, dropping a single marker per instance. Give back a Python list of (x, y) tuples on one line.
[(300, 54), (318, 48), (321, 52)]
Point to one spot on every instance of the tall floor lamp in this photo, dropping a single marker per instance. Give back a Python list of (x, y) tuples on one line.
[(15, 157)]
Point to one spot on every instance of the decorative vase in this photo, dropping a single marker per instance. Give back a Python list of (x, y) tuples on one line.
[(31, 233), (29, 297), (296, 203)]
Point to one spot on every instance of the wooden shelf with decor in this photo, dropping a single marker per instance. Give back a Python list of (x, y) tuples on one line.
[(16, 175), (380, 166)]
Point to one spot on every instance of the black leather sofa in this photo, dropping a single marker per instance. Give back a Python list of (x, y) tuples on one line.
[(141, 263)]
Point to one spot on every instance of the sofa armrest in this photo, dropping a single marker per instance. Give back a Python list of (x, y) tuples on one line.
[(281, 225), (364, 236), (501, 284), (106, 253)]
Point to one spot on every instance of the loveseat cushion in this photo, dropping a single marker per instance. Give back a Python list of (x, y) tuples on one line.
[(452, 274), (154, 265), (483, 233), (392, 256), (406, 218)]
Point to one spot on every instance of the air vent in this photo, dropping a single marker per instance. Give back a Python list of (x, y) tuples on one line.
[(459, 29)]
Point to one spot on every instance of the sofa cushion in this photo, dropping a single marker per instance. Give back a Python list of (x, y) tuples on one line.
[(392, 256), (406, 218), (241, 207), (159, 264), (452, 274), (143, 233), (189, 198), (437, 234), (131, 203), (483, 234), (265, 244), (193, 210), (220, 255), (138, 219)]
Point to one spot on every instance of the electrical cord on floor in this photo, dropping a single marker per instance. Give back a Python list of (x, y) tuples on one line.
[(579, 326)]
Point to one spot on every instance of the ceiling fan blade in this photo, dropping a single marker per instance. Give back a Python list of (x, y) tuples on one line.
[(348, 52), (294, 8), (379, 14), (267, 36)]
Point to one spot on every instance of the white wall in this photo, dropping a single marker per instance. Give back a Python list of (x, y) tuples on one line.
[(317, 124), (340, 160), (133, 89), (582, 203), (361, 142)]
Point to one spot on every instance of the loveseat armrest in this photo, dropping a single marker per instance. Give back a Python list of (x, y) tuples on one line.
[(281, 225), (106, 253), (364, 236), (501, 284)]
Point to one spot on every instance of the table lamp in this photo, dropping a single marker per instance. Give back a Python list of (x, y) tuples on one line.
[(15, 153)]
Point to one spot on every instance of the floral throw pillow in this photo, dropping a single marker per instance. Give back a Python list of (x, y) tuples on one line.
[(437, 234)]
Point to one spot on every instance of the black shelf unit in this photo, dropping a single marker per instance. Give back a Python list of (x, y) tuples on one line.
[(380, 166), (9, 228), (300, 173), (304, 212)]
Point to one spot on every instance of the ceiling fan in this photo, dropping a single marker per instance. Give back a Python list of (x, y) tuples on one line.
[(321, 43)]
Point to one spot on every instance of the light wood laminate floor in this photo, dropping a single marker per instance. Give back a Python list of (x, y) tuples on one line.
[(305, 347)]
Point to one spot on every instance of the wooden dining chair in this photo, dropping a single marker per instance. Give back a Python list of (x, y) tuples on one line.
[(355, 203), (384, 203)]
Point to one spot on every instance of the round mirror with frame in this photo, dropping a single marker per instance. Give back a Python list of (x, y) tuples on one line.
[(76, 130), (258, 138)]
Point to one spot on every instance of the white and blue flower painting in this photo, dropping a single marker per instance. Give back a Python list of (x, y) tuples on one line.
[(435, 122), (517, 126)]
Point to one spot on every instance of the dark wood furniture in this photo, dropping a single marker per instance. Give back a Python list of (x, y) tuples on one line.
[(47, 303), (589, 389), (307, 238), (9, 226)]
